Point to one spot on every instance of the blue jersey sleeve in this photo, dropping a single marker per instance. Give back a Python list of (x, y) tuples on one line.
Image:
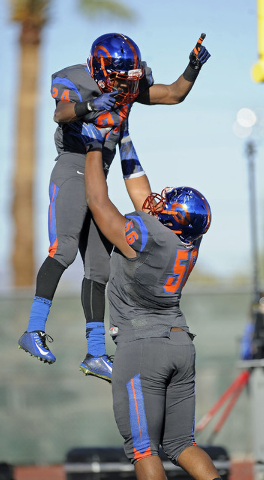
[(136, 232), (131, 166), (64, 89)]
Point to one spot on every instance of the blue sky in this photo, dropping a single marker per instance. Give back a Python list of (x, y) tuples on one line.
[(188, 144)]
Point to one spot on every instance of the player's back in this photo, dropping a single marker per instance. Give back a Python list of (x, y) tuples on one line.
[(144, 292)]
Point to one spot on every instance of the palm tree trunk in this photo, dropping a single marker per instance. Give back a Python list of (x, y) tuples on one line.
[(32, 15), (23, 203)]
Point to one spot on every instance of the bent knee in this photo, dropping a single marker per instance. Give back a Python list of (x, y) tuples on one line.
[(66, 251), (174, 450), (98, 274)]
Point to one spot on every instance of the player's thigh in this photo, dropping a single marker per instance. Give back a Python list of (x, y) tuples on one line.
[(139, 392), (180, 402), (67, 210), (96, 254)]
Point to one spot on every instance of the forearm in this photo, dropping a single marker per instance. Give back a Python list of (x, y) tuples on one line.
[(64, 112), (138, 189), (170, 94), (67, 112), (105, 214), (131, 166), (136, 181), (96, 191), (181, 88), (178, 90)]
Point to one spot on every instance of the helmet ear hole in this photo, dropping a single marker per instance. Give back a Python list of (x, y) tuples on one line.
[(167, 223)]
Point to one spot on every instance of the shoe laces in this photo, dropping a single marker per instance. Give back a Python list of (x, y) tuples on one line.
[(110, 358), (44, 337)]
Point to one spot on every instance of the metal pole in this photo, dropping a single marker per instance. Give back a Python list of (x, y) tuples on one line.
[(257, 373), (251, 152)]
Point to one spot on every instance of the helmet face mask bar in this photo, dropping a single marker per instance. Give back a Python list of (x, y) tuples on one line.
[(183, 210), (115, 64), (127, 85)]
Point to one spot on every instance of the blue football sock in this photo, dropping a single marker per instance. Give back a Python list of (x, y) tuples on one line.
[(95, 335), (38, 314)]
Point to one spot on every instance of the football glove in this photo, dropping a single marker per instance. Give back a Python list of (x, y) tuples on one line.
[(106, 101), (199, 55)]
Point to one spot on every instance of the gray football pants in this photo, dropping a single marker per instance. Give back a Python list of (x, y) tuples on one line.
[(153, 385), (71, 226)]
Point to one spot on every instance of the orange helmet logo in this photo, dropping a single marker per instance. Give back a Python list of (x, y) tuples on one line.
[(99, 56), (179, 212)]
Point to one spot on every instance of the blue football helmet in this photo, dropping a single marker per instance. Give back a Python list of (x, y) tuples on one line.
[(184, 210), (115, 64)]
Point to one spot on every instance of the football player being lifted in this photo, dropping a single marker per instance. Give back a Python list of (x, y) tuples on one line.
[(102, 92)]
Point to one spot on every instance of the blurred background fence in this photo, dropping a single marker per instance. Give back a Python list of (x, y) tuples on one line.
[(45, 410)]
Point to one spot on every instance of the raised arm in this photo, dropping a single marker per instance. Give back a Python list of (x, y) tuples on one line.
[(136, 181), (138, 189), (178, 90), (107, 217), (169, 94)]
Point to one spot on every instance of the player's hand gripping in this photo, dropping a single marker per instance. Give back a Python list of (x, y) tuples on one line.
[(94, 136), (106, 101), (199, 55)]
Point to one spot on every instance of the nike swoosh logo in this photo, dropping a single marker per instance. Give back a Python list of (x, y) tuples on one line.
[(80, 173), (44, 352), (108, 366)]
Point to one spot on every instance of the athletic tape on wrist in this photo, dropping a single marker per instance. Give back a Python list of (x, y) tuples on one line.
[(190, 74), (82, 108)]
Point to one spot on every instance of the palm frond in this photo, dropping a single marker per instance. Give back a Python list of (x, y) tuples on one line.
[(33, 10), (108, 7)]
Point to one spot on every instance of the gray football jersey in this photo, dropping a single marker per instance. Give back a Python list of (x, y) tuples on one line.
[(75, 84), (144, 292)]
